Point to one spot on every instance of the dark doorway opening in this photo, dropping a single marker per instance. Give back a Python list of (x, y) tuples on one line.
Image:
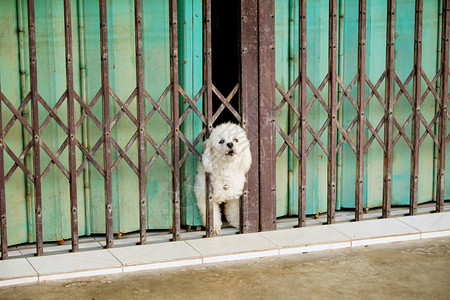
[(225, 34)]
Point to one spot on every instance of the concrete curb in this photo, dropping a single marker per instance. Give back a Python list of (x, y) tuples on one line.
[(23, 270)]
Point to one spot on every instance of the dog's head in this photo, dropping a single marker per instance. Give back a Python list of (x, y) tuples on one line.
[(226, 143)]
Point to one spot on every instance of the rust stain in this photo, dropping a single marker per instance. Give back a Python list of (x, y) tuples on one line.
[(428, 109)]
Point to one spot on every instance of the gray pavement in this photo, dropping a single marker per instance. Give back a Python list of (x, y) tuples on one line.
[(418, 269)]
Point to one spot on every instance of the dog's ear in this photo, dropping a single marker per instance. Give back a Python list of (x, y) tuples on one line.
[(207, 157), (246, 158)]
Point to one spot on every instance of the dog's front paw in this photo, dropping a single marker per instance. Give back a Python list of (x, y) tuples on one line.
[(217, 230)]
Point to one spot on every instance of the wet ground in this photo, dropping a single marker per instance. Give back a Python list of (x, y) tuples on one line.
[(407, 270)]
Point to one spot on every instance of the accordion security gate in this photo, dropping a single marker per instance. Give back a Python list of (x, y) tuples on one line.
[(340, 100), (262, 99)]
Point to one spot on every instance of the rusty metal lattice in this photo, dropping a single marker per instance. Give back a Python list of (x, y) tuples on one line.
[(444, 96), (388, 121)]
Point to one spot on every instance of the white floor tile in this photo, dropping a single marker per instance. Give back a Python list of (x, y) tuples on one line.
[(14, 253), (122, 242), (428, 222), (305, 236), (154, 253), (63, 248), (16, 268), (374, 229), (74, 262), (233, 244)]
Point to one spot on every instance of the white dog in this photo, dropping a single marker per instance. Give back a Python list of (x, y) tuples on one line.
[(227, 158)]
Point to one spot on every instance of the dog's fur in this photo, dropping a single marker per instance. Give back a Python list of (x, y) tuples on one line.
[(227, 158)]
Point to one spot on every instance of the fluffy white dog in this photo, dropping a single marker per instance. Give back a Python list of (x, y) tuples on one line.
[(227, 158)]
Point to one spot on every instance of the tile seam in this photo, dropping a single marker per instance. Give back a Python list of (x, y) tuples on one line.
[(272, 242)]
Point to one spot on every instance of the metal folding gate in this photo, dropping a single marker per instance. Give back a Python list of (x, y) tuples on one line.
[(256, 91)]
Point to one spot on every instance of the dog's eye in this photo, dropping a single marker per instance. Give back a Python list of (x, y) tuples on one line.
[(236, 140), (221, 142)]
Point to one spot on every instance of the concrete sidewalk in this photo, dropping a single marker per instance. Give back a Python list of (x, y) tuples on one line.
[(22, 267), (407, 270)]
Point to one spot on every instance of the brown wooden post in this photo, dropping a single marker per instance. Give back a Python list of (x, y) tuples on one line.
[(267, 162), (249, 104)]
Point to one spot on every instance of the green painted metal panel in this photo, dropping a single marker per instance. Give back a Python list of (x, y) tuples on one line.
[(157, 78), (282, 76), (17, 211), (317, 69), (122, 82), (376, 62), (286, 49), (191, 81), (403, 66)]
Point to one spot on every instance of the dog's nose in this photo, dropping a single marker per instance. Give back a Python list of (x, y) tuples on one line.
[(230, 145)]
